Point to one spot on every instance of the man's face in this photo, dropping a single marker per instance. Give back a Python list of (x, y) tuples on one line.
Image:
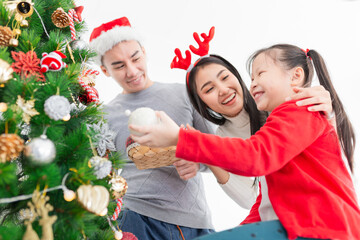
[(126, 63)]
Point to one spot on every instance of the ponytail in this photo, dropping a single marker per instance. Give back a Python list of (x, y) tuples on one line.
[(343, 125)]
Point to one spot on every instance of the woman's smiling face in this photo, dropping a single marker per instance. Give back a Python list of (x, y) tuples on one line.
[(219, 89)]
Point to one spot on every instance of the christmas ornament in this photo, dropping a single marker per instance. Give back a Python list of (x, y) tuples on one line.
[(143, 116), (11, 146), (24, 8), (27, 65), (5, 71), (88, 76), (69, 195), (94, 199), (3, 107), (57, 107), (118, 186), (103, 138), (25, 129), (78, 11), (118, 235), (117, 209), (5, 36), (76, 109), (40, 150), (78, 44), (52, 61), (24, 23), (27, 107), (60, 18), (13, 42), (39, 208), (128, 236), (90, 95), (73, 17), (102, 166)]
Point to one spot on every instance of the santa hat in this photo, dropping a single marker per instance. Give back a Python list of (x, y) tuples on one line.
[(107, 35)]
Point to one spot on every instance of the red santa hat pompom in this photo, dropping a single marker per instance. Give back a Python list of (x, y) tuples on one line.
[(52, 61), (107, 35)]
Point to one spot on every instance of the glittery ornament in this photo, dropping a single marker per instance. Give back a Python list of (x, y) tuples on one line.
[(57, 107), (24, 23), (128, 236), (94, 199), (27, 65), (5, 71), (5, 36), (25, 129), (103, 138), (27, 107), (60, 18), (78, 44), (102, 166), (11, 146), (118, 186), (40, 150), (39, 207), (143, 116)]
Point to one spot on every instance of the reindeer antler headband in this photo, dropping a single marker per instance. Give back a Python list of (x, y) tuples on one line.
[(202, 51)]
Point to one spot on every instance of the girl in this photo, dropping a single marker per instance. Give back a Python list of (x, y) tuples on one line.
[(309, 188)]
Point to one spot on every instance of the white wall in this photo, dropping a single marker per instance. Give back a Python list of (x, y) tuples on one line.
[(332, 27)]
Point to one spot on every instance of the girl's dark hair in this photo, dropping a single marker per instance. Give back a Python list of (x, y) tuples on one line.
[(257, 118), (291, 56)]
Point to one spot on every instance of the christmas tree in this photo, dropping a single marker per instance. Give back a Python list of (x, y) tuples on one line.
[(58, 165)]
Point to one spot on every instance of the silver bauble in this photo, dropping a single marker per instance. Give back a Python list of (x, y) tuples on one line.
[(40, 150), (143, 116), (78, 44)]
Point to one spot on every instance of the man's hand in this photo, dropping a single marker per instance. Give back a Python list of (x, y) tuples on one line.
[(186, 169)]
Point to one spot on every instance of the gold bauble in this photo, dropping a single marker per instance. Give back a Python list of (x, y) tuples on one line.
[(3, 107), (24, 23), (95, 199), (13, 42), (24, 9), (16, 32), (5, 71)]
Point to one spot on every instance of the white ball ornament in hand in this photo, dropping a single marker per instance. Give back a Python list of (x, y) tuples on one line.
[(143, 116)]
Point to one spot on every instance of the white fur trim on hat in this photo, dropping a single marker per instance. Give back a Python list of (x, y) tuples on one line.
[(107, 40)]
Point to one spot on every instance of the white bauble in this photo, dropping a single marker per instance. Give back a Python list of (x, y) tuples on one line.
[(143, 116)]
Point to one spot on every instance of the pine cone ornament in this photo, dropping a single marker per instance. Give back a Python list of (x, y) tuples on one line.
[(60, 18), (11, 146), (5, 36)]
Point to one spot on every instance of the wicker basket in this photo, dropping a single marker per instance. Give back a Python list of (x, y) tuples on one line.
[(147, 157)]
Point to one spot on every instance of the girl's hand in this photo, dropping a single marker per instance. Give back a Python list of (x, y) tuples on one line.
[(163, 134), (317, 97)]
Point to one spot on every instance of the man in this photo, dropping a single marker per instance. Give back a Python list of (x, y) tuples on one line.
[(161, 203)]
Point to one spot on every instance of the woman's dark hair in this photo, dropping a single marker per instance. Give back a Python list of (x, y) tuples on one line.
[(257, 118), (292, 56)]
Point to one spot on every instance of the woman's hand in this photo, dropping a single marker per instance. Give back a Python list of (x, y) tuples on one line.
[(163, 134), (317, 97)]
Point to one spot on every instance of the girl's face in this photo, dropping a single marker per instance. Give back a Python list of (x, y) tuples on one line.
[(270, 82), (219, 89)]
